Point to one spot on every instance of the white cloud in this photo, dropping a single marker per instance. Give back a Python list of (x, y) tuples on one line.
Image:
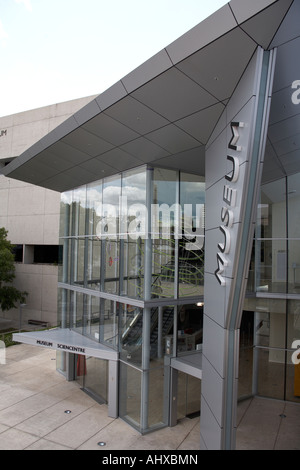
[(26, 3)]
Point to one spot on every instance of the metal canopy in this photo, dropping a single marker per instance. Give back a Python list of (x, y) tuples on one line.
[(163, 112), (66, 340)]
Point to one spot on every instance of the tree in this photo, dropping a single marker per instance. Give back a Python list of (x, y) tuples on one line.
[(9, 295)]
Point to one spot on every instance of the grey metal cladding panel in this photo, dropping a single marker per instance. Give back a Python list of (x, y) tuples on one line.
[(210, 431), (173, 139), (113, 94), (290, 144), (110, 130), (282, 106), (52, 161), (284, 129), (287, 64), (98, 168), (65, 128), (206, 32), (136, 116), (87, 142), (289, 28), (68, 153), (79, 175), (62, 182), (153, 67), (120, 160), (219, 66), (191, 161), (49, 140), (174, 96), (291, 162), (212, 388), (216, 332), (246, 89), (34, 171), (243, 9), (200, 125), (87, 112), (263, 26), (144, 149)]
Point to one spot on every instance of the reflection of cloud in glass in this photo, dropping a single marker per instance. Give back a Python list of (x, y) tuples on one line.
[(111, 195), (134, 194)]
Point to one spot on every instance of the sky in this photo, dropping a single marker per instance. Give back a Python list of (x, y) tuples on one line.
[(53, 51)]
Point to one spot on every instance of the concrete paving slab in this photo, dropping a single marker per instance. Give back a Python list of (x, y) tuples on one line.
[(117, 435), (12, 395), (192, 441), (34, 397), (81, 428), (12, 439), (44, 444), (166, 438)]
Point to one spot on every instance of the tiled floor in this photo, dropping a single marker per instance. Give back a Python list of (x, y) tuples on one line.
[(34, 398)]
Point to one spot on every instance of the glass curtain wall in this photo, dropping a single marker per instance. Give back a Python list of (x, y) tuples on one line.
[(276, 282), (135, 237)]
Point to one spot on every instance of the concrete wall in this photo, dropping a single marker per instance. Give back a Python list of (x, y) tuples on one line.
[(30, 213), (19, 131)]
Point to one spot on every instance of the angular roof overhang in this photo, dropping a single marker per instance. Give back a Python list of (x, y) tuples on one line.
[(162, 113)]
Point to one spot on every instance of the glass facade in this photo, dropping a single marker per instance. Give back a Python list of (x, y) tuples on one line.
[(274, 278), (138, 237), (110, 244), (132, 280)]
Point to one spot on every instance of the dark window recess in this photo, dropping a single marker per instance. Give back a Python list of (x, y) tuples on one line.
[(18, 253), (46, 254)]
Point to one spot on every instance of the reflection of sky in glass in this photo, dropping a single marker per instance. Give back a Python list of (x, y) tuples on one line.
[(132, 187), (192, 193)]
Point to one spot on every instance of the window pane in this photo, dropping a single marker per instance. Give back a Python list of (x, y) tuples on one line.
[(132, 268), (270, 323), (294, 266), (293, 322), (109, 323), (65, 214), (91, 320), (270, 374), (190, 328), (96, 377), (130, 395), (112, 259), (293, 186), (191, 246), (94, 263), (94, 206), (110, 207), (131, 329), (271, 235), (271, 265), (164, 229), (156, 397), (79, 211)]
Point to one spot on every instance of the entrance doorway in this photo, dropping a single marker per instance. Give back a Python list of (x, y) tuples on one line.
[(92, 375), (188, 396)]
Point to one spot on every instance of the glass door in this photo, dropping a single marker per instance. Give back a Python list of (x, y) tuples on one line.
[(92, 375)]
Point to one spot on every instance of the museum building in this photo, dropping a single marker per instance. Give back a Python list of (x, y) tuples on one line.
[(179, 278)]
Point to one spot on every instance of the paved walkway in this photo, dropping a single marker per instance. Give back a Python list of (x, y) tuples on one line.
[(34, 398)]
